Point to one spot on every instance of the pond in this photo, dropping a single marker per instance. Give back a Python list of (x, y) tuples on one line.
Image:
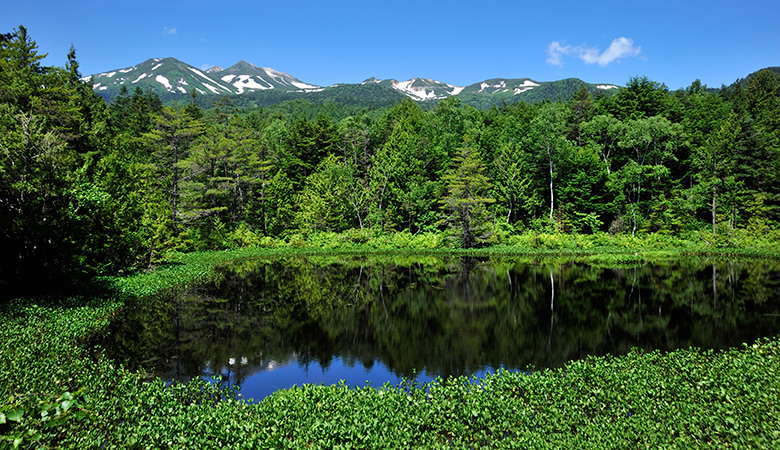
[(269, 324)]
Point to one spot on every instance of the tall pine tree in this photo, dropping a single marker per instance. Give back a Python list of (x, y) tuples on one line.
[(466, 202)]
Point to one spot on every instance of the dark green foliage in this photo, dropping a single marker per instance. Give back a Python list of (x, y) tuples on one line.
[(56, 220), (169, 142), (88, 188), (325, 200), (745, 81), (55, 393), (561, 90), (466, 205), (280, 204), (351, 98), (585, 198), (640, 98), (91, 188)]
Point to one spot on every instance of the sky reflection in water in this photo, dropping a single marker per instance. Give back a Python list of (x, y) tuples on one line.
[(271, 324)]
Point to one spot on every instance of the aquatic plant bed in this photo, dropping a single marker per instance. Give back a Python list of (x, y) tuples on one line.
[(55, 390)]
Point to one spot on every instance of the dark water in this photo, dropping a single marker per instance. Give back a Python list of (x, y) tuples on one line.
[(270, 324)]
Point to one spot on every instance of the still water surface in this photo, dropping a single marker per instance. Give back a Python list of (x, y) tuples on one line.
[(268, 324)]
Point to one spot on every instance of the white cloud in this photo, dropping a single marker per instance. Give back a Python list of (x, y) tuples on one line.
[(556, 52), (169, 31), (620, 48)]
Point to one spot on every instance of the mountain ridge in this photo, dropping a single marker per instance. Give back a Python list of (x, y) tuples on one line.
[(173, 80)]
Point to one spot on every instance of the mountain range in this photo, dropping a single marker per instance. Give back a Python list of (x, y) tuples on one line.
[(174, 80)]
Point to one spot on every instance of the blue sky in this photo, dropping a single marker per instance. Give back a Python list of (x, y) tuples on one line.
[(456, 42)]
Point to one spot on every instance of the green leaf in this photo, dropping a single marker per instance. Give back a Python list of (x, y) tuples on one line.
[(16, 415)]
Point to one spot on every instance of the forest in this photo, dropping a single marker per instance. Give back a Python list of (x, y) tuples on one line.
[(90, 187)]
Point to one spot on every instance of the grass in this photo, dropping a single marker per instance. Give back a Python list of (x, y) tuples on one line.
[(54, 391)]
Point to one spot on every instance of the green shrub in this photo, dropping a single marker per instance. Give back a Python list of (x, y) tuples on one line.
[(56, 391), (241, 237)]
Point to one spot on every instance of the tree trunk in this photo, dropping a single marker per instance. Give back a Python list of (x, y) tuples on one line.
[(175, 193), (714, 208), (714, 286), (552, 196), (552, 309)]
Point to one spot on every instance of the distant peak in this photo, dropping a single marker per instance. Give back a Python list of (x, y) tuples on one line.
[(243, 63)]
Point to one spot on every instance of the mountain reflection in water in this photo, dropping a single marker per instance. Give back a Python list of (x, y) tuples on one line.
[(267, 324)]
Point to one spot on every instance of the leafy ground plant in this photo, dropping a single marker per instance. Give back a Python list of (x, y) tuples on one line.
[(57, 392)]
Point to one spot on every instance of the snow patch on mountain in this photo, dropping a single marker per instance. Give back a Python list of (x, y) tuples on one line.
[(484, 86), (211, 88), (206, 77), (304, 86), (424, 88), (418, 92), (164, 81), (272, 72), (201, 74), (198, 72), (245, 77), (493, 87), (247, 82)]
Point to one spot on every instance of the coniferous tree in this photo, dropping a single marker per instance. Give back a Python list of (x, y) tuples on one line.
[(324, 203), (170, 139), (280, 197), (57, 222), (466, 202), (21, 74)]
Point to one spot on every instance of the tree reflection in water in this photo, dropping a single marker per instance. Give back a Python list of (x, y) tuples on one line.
[(430, 315)]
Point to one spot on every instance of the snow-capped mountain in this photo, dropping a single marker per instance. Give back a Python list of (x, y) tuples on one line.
[(419, 88), (244, 76), (171, 77), (500, 85), (173, 80)]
